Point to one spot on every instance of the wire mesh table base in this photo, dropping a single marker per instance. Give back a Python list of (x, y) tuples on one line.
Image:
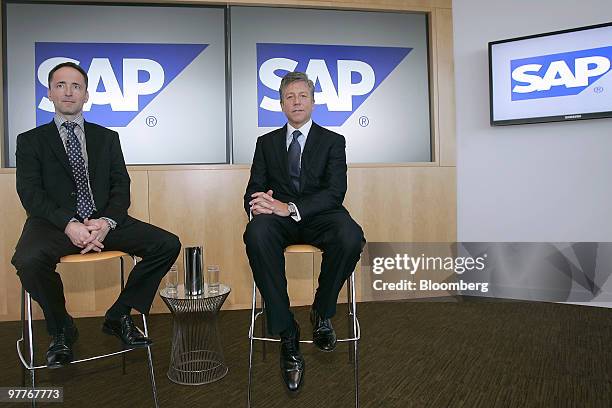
[(197, 354)]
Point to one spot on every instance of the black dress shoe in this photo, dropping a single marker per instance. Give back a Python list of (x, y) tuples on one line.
[(323, 334), (60, 350), (292, 362), (127, 331)]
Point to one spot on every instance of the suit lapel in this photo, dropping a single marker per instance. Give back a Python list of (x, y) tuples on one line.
[(57, 146), (310, 151), (92, 141), (280, 146)]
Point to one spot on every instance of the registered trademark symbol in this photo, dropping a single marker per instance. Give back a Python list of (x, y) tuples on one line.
[(364, 121), (598, 89), (151, 121)]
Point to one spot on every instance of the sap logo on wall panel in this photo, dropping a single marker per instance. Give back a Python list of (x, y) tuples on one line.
[(123, 78), (558, 74), (344, 77)]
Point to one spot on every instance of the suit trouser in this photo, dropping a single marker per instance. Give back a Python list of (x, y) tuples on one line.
[(266, 236), (42, 244)]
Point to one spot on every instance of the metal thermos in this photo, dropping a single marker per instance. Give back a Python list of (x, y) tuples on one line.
[(194, 276)]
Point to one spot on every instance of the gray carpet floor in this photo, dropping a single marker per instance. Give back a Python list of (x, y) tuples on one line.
[(412, 354)]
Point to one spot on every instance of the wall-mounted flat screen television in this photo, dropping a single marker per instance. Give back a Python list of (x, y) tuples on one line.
[(558, 76)]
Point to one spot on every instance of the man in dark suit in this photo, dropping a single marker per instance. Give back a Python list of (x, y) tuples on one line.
[(295, 195), (73, 184)]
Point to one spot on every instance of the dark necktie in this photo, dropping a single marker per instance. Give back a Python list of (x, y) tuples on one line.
[(293, 156), (84, 205)]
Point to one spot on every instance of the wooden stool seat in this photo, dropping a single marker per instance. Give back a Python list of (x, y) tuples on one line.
[(302, 248), (92, 256)]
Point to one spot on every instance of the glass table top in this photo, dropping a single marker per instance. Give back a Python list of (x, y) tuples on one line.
[(208, 292)]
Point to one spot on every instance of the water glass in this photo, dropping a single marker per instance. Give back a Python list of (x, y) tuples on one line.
[(212, 278), (172, 280)]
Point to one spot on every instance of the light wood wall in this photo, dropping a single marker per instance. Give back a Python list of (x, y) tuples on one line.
[(203, 204)]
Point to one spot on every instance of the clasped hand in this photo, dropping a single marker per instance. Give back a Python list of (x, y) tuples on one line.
[(264, 203), (88, 235)]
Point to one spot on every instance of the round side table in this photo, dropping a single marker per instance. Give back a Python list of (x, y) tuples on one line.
[(197, 355)]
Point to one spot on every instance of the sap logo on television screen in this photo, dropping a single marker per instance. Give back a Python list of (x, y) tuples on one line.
[(123, 78), (344, 77), (558, 74)]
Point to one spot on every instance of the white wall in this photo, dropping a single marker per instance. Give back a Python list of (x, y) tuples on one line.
[(542, 182)]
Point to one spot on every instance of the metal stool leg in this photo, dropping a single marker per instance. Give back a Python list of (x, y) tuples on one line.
[(122, 286), (355, 344), (150, 358), (263, 327), (23, 333), (349, 317), (251, 334), (30, 342)]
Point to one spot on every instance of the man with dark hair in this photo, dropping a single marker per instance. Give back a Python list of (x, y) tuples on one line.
[(71, 65), (295, 195), (75, 188)]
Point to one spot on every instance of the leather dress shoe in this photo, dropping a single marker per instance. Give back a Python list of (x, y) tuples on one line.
[(126, 330), (60, 350), (292, 362), (323, 334)]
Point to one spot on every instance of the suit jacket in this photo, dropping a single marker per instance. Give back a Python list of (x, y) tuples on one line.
[(322, 175), (45, 183)]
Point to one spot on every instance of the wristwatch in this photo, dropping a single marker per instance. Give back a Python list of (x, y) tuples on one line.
[(292, 209)]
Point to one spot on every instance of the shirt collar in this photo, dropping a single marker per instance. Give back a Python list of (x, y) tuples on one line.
[(60, 120), (305, 129)]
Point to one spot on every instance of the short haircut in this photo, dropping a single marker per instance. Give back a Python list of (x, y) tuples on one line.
[(295, 76), (71, 65)]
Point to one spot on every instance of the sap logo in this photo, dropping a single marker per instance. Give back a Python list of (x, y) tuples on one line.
[(558, 74), (317, 71), (344, 77), (123, 78)]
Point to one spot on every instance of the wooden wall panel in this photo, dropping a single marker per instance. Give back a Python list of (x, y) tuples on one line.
[(204, 207), (12, 217), (445, 87), (404, 203)]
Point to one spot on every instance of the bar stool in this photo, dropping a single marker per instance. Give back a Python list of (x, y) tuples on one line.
[(354, 330), (26, 311)]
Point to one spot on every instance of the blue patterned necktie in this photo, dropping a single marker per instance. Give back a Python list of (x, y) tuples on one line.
[(293, 155), (84, 204)]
